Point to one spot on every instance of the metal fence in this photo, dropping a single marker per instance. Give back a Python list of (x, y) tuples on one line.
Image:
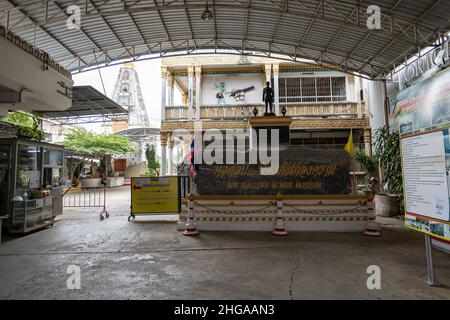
[(82, 197)]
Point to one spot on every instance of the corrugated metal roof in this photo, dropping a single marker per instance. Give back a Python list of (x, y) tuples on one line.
[(325, 31), (87, 101)]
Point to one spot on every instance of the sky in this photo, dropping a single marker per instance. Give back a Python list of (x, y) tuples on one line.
[(149, 72)]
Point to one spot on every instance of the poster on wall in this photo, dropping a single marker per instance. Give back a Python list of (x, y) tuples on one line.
[(154, 195), (424, 122), (120, 164)]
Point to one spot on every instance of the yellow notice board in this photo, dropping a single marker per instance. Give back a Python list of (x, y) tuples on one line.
[(154, 195)]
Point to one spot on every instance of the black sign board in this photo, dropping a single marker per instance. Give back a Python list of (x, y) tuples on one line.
[(302, 171)]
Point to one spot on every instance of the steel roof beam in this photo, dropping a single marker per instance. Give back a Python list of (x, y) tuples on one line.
[(342, 27), (163, 23), (140, 32), (208, 45), (396, 38), (368, 34), (254, 8), (247, 21), (47, 32), (275, 28), (214, 19), (311, 22), (84, 33), (189, 23), (109, 27)]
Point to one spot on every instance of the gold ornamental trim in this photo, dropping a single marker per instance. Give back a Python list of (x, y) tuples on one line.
[(267, 219), (356, 123), (169, 126)]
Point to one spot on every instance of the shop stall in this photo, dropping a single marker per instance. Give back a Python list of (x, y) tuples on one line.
[(30, 183)]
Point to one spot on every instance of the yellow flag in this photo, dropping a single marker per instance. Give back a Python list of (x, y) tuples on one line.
[(349, 147)]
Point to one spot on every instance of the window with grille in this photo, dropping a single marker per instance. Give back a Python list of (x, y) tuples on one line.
[(312, 89)]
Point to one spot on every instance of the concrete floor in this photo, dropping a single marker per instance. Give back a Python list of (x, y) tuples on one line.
[(149, 259)]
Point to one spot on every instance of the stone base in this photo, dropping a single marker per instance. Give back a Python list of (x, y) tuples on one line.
[(337, 214), (268, 226)]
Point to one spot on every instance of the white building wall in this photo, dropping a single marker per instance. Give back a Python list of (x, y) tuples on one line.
[(241, 81)]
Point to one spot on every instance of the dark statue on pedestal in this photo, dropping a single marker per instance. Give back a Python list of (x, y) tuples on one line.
[(268, 99)]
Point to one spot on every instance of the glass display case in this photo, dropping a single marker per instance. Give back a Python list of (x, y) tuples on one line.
[(29, 215), (30, 175), (53, 167), (28, 171)]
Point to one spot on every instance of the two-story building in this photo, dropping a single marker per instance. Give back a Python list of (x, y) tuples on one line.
[(223, 91)]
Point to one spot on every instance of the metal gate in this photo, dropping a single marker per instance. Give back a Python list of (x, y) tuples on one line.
[(83, 197)]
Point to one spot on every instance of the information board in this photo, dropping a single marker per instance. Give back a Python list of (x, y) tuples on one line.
[(154, 195), (424, 119)]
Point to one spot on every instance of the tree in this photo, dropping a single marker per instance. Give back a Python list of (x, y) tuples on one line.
[(152, 161), (92, 144)]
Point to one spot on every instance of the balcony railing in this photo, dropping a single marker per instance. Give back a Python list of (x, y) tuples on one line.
[(294, 110)]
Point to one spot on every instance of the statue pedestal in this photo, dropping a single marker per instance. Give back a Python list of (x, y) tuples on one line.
[(269, 123)]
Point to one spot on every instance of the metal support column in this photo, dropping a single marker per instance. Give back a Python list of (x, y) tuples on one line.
[(430, 279)]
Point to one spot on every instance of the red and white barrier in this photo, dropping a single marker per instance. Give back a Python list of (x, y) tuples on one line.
[(191, 225), (372, 227), (280, 228)]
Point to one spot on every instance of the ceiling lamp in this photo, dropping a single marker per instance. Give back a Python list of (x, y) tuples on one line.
[(207, 15)]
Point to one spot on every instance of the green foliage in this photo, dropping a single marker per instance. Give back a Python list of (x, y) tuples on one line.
[(387, 151), (368, 162), (152, 161), (27, 125), (88, 143)]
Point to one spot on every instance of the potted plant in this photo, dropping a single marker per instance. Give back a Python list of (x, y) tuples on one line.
[(387, 152), (369, 164)]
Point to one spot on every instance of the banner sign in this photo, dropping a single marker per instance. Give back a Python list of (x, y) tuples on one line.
[(424, 119), (302, 171), (424, 66), (154, 195)]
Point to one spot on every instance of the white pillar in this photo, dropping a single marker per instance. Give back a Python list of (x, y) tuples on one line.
[(190, 91), (351, 90), (163, 154), (163, 92), (276, 89), (268, 72), (170, 144), (198, 94), (170, 92), (376, 99)]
